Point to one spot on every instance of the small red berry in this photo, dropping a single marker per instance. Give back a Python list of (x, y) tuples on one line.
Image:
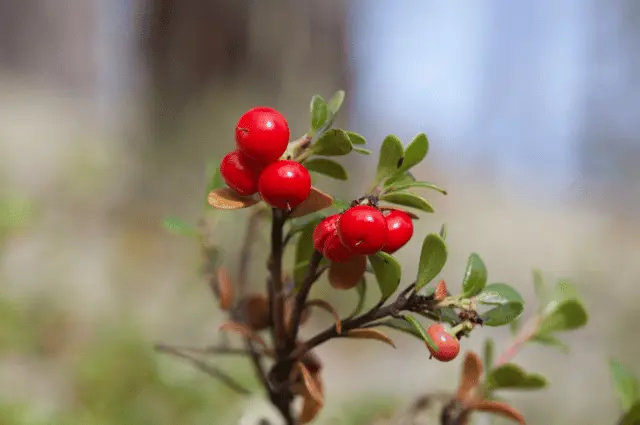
[(284, 184), (263, 134), (334, 250), (448, 345), (400, 230), (363, 229), (326, 227), (240, 173)]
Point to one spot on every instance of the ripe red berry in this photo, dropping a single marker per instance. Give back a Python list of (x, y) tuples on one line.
[(334, 250), (400, 230), (326, 227), (284, 184), (263, 134), (448, 345), (363, 229), (240, 173)]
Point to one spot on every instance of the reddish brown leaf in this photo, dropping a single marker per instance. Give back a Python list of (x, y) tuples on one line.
[(329, 308), (310, 407), (224, 289), (441, 291), (311, 385), (256, 312), (471, 373), (316, 201), (500, 408), (242, 330), (409, 213), (312, 362), (370, 334), (347, 275), (228, 199)]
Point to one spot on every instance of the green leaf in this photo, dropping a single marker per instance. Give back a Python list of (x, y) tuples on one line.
[(632, 417), (475, 277), (327, 167), (503, 314), (397, 187), (399, 179), (304, 251), (407, 199), (512, 376), (319, 113), (361, 290), (443, 232), (567, 316), (335, 102), (387, 271), (362, 151), (563, 291), (448, 315), (356, 139), (177, 226), (540, 289), (400, 325), (333, 142), (488, 354), (497, 294), (415, 152), (341, 204), (626, 384), (433, 257), (551, 341), (391, 157), (423, 333)]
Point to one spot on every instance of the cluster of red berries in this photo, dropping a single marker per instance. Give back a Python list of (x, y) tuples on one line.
[(364, 230), (262, 135)]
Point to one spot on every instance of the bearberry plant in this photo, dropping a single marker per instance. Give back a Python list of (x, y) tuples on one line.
[(350, 242)]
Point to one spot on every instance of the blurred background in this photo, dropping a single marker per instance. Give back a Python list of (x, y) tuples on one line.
[(111, 109)]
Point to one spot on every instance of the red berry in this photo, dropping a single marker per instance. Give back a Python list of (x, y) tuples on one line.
[(263, 134), (284, 184), (448, 345), (400, 230), (334, 250), (326, 227), (240, 173), (363, 229)]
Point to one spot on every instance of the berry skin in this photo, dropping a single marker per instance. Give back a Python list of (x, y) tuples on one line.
[(334, 250), (448, 345), (284, 184), (262, 133), (400, 230), (240, 173), (322, 231), (363, 229)]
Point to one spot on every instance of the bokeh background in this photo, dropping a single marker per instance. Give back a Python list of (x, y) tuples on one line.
[(111, 109)]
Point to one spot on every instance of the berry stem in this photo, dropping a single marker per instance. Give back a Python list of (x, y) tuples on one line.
[(275, 287), (302, 295), (527, 331)]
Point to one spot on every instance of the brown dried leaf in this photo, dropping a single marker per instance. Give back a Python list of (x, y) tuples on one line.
[(224, 289), (312, 362), (329, 308), (316, 201), (242, 330), (370, 334), (500, 408), (228, 199), (311, 386), (310, 407), (470, 379), (347, 275), (256, 312), (441, 291), (409, 213)]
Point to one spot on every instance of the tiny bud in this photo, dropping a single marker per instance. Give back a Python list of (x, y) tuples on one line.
[(441, 291)]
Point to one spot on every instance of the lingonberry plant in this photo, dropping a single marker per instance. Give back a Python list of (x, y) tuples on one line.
[(349, 241)]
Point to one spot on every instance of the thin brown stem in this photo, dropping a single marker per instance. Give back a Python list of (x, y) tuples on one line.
[(311, 276), (527, 331), (276, 293)]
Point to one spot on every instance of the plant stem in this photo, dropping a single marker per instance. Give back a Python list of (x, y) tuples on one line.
[(527, 331), (302, 295), (276, 295)]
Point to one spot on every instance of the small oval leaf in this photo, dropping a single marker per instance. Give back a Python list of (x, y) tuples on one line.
[(567, 316), (625, 383), (347, 274), (503, 314), (228, 199), (399, 187), (356, 139), (362, 151), (408, 199), (422, 332), (388, 273), (497, 294), (224, 288), (361, 290), (512, 376), (391, 151), (475, 277), (333, 142), (316, 201), (370, 334), (432, 259), (409, 213), (327, 167), (311, 385), (243, 331), (415, 152), (318, 112), (311, 408), (335, 102)]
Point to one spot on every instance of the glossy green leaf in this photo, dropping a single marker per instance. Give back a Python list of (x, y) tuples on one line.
[(400, 325), (327, 167), (401, 186), (475, 277), (433, 257), (415, 152), (448, 315), (399, 179), (551, 341), (304, 251), (361, 290), (567, 316), (632, 416), (514, 377), (356, 139), (333, 142), (562, 291), (177, 226), (387, 271), (443, 232), (407, 199), (335, 102), (361, 151), (488, 354), (319, 113), (626, 384), (498, 293), (503, 314), (422, 332), (391, 157)]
